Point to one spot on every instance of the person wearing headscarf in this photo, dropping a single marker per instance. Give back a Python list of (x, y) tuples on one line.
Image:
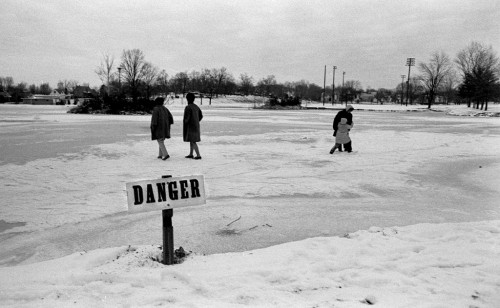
[(191, 128), (161, 119)]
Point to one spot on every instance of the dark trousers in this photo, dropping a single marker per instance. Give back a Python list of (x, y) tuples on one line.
[(347, 146)]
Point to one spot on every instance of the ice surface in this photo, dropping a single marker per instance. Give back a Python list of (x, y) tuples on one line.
[(272, 168), (271, 181)]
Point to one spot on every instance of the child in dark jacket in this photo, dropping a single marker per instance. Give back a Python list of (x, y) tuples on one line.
[(342, 137)]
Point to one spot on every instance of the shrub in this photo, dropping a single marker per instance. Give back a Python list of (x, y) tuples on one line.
[(114, 105), (92, 105), (285, 101)]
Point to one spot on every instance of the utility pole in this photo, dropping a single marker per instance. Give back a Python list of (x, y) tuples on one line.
[(342, 92), (324, 87), (402, 87), (409, 62), (333, 86)]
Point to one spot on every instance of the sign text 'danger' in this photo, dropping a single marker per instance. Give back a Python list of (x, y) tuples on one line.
[(166, 193)]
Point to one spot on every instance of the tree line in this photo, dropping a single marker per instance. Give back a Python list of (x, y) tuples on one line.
[(471, 78), (20, 90), (135, 76)]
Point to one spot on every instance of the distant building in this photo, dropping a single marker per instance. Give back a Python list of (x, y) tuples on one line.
[(54, 98), (367, 97), (84, 92), (5, 97)]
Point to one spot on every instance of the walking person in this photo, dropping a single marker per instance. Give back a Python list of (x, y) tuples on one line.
[(161, 119), (342, 137), (191, 128), (345, 113)]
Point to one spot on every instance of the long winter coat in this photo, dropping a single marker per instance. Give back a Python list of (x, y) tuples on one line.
[(191, 128), (161, 120), (342, 136), (341, 114)]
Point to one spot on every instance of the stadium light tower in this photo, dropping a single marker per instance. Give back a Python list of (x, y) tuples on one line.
[(409, 62)]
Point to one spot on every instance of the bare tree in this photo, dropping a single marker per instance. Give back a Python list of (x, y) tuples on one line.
[(180, 82), (105, 70), (350, 90), (266, 85), (476, 55), (162, 81), (416, 90), (207, 81), (480, 70), (45, 88), (70, 85), (434, 74), (246, 83), (33, 88), (194, 80), (132, 66), (150, 73), (6, 83), (66, 86), (301, 88), (450, 84), (229, 84), (353, 84), (219, 75)]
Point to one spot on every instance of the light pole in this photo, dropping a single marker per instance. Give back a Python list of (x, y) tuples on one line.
[(409, 62), (342, 92), (333, 85), (324, 87), (402, 87)]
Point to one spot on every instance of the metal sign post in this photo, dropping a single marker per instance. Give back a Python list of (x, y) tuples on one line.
[(168, 234)]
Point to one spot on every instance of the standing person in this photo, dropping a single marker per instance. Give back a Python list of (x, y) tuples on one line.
[(345, 113), (161, 119), (191, 128), (342, 137)]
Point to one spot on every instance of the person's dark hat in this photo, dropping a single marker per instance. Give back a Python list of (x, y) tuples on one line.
[(190, 96), (159, 100)]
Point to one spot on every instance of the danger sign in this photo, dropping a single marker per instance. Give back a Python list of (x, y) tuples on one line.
[(165, 193)]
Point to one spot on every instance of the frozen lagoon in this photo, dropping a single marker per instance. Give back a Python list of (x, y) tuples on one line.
[(63, 177)]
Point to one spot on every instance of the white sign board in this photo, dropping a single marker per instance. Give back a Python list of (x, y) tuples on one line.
[(166, 193)]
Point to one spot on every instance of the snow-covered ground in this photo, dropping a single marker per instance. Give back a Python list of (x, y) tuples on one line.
[(281, 223), (425, 265)]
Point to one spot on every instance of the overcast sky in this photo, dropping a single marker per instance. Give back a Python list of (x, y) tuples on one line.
[(52, 40)]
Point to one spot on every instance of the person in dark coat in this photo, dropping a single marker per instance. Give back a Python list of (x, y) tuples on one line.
[(191, 128), (161, 119), (345, 113), (342, 137)]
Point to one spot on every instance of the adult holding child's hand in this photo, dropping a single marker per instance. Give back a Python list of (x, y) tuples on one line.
[(345, 113)]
